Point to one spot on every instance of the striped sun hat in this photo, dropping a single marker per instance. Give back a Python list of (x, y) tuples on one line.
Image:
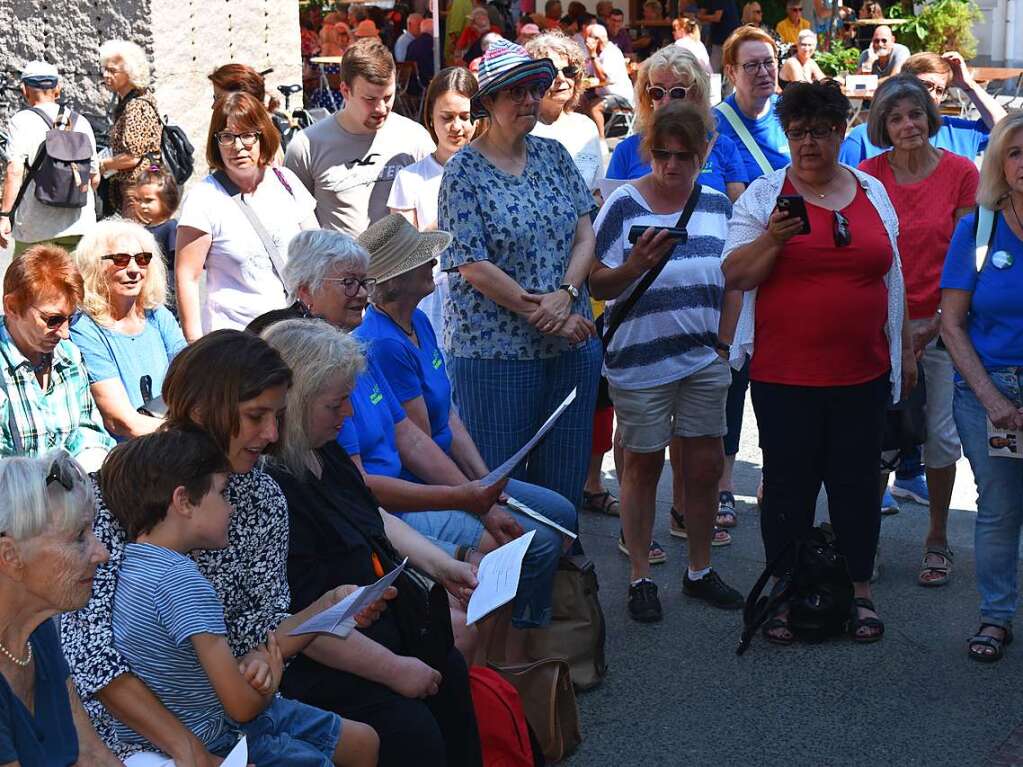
[(506, 64)]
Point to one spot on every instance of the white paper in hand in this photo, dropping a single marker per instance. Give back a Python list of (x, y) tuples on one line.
[(522, 508), (505, 468), (239, 756), (1004, 443), (340, 619), (498, 578)]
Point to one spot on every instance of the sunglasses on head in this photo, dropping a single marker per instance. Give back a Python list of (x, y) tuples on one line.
[(63, 473), (663, 155), (840, 231), (121, 260), (656, 92)]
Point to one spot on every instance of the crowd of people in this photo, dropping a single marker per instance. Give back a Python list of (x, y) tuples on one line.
[(224, 408)]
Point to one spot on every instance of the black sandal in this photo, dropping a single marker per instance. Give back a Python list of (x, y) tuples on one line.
[(601, 503), (986, 640), (856, 622)]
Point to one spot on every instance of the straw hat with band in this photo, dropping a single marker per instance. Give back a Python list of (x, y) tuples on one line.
[(505, 65), (396, 247)]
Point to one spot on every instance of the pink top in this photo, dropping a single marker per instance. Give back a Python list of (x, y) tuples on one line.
[(926, 213)]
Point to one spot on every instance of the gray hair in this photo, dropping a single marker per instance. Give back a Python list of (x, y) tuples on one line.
[(315, 254), (29, 505), (136, 65), (886, 98), (318, 354)]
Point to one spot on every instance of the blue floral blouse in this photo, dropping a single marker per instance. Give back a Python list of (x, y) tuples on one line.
[(525, 225)]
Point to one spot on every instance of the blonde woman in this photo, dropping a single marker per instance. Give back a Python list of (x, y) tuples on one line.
[(126, 334), (687, 37)]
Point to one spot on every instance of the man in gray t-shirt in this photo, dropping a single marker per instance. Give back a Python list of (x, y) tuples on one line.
[(348, 161), (884, 57)]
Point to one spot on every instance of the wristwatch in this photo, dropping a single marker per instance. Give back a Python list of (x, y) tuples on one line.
[(721, 346), (572, 290)]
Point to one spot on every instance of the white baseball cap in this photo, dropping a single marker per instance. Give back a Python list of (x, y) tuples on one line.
[(40, 74)]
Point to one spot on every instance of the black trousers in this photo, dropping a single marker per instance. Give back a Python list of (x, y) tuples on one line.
[(831, 435)]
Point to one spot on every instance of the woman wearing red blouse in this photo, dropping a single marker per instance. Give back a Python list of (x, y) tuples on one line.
[(931, 190), (824, 322)]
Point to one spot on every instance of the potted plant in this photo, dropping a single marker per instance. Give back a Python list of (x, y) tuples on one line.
[(940, 26), (841, 59)]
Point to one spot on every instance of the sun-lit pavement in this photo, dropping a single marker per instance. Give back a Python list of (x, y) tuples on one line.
[(678, 695)]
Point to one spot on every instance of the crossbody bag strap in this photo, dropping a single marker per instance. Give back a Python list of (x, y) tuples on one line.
[(33, 169), (276, 259), (984, 234), (745, 136), (619, 312)]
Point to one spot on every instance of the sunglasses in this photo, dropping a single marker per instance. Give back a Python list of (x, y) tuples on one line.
[(55, 321), (352, 285), (248, 138), (656, 92), (817, 134), (518, 93), (121, 260), (663, 155), (63, 473), (840, 231), (570, 71)]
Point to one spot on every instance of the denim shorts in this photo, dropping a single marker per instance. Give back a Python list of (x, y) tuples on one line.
[(287, 734)]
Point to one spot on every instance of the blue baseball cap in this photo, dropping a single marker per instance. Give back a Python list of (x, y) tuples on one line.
[(40, 74)]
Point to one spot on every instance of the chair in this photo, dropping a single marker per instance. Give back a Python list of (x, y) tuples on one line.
[(620, 117), (406, 103)]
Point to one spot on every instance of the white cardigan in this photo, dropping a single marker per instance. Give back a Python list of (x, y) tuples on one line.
[(749, 220)]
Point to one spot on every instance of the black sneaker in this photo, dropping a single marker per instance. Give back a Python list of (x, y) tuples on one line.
[(712, 590), (644, 606)]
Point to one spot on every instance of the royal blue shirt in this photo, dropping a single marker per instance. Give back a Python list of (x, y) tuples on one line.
[(411, 371), (369, 432), (723, 166), (967, 138), (47, 739), (995, 324), (766, 132)]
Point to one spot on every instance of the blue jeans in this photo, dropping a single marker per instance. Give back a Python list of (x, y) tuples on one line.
[(450, 529), (504, 402), (287, 734), (999, 500)]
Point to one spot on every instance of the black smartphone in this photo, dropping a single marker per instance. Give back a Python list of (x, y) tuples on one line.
[(674, 233), (795, 205)]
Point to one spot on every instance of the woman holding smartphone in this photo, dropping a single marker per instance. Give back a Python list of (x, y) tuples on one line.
[(831, 345)]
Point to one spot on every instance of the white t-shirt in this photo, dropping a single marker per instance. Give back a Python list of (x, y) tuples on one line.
[(240, 280), (578, 134), (34, 221), (698, 49), (417, 187), (612, 60)]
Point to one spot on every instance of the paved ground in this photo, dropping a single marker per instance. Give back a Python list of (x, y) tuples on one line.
[(678, 695)]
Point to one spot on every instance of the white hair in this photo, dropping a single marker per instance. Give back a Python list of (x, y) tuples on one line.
[(315, 254), (29, 504), (598, 31), (136, 65), (805, 34)]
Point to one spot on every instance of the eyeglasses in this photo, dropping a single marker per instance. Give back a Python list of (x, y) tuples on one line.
[(351, 285), (752, 67), (656, 92), (663, 155), (817, 134), (570, 71), (840, 231), (64, 473), (934, 89), (518, 93), (55, 321), (248, 138), (121, 260)]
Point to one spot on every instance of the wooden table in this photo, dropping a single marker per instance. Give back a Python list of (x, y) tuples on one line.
[(857, 98), (656, 23), (985, 75), (880, 22)]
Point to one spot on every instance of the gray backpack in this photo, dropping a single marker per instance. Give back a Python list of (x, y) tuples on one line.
[(61, 167)]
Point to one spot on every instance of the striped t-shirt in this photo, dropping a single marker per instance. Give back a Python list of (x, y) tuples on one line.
[(671, 331), (161, 601)]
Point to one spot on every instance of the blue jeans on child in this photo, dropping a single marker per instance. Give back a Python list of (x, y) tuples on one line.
[(450, 529), (287, 734), (999, 499)]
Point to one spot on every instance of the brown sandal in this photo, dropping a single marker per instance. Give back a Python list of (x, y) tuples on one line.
[(943, 569)]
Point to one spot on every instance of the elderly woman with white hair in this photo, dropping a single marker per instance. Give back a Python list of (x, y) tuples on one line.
[(800, 66), (137, 129), (126, 334), (48, 557)]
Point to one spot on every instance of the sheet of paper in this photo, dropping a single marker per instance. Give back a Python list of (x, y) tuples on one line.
[(498, 578), (506, 468), (239, 756), (340, 619), (523, 509), (1004, 443), (608, 185)]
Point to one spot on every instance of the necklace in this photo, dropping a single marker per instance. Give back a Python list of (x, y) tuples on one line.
[(820, 195), (387, 314), (18, 661)]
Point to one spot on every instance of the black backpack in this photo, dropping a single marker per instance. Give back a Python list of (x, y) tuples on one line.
[(61, 166), (176, 150), (819, 591)]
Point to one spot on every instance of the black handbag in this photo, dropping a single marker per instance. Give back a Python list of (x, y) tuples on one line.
[(905, 426)]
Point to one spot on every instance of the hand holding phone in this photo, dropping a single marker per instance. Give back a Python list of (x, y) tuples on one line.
[(794, 205), (674, 233)]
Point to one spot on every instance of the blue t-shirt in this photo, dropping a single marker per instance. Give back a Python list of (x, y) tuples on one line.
[(109, 354), (967, 138), (161, 602), (411, 371), (766, 132), (369, 432), (723, 166), (47, 739), (995, 323)]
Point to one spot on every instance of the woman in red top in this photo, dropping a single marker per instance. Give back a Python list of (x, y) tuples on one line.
[(931, 190), (825, 321)]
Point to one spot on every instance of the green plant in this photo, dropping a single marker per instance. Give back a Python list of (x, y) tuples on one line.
[(840, 59), (940, 26)]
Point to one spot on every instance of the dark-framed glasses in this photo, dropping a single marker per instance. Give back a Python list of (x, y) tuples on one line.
[(934, 89), (121, 260), (752, 67), (55, 321), (248, 138), (656, 92), (351, 285), (817, 133), (663, 155), (840, 231)]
